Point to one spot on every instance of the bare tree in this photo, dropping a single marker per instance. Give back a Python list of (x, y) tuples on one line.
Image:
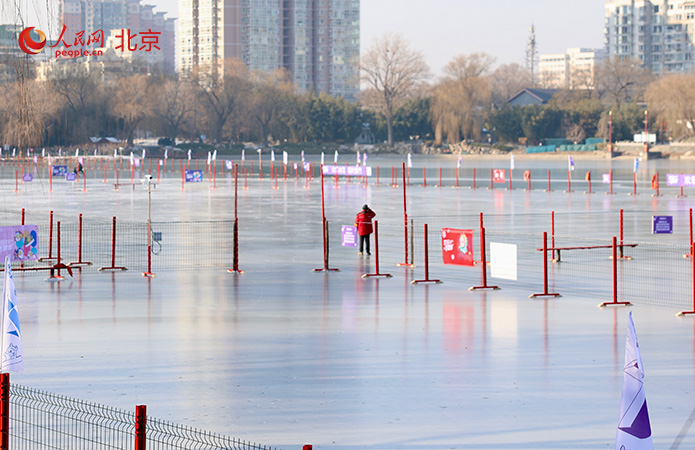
[(223, 97), (393, 70), (269, 94), (621, 81), (508, 80), (130, 103), (173, 104), (26, 110), (462, 98), (672, 99)]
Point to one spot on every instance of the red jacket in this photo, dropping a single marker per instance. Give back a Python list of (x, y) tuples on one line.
[(363, 222)]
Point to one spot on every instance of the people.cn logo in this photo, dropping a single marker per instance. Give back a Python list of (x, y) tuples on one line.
[(29, 45)]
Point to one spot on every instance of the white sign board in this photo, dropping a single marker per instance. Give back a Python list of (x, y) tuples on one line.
[(503, 261)]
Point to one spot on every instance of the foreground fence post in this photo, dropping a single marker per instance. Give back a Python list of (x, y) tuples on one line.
[(376, 255), (545, 271), (5, 411), (140, 427), (405, 262), (79, 247), (235, 261), (324, 225), (483, 263), (427, 264), (113, 250), (615, 301), (50, 239)]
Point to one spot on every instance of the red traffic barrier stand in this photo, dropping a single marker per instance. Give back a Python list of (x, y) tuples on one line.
[(55, 270), (440, 177), (325, 232), (405, 262), (457, 178), (106, 168), (50, 239), (569, 182), (79, 261), (235, 236), (113, 251), (304, 447), (473, 183), (545, 292), (527, 177), (690, 231), (692, 258), (610, 183), (510, 188), (424, 178), (483, 261), (376, 256), (588, 179), (655, 185), (549, 189), (615, 301), (427, 264), (634, 184), (621, 253)]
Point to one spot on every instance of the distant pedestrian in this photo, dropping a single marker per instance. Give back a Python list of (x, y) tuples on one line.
[(363, 222)]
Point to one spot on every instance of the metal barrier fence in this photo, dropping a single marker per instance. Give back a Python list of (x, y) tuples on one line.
[(41, 420), (655, 273), (176, 245)]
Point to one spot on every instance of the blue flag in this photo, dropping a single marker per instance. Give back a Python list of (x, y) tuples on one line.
[(570, 162), (636, 166)]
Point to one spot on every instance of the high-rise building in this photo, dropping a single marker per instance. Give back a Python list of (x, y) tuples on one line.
[(573, 69), (317, 41), (660, 33)]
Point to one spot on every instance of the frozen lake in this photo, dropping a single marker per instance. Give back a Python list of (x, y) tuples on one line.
[(285, 356)]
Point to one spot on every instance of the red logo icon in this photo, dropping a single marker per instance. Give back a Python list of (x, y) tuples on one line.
[(28, 45)]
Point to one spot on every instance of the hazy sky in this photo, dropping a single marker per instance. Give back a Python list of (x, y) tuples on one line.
[(443, 29)]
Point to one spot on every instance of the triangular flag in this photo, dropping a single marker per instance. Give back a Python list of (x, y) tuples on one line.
[(410, 160), (243, 155), (189, 154), (302, 156), (636, 165), (143, 153), (570, 162), (364, 159), (272, 155), (11, 351), (587, 177), (209, 158), (77, 153), (43, 152), (335, 158), (634, 431), (284, 157), (458, 164), (511, 162), (166, 153), (214, 155), (358, 157), (322, 158)]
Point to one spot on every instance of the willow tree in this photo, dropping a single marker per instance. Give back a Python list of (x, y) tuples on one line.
[(393, 71), (671, 99), (462, 98)]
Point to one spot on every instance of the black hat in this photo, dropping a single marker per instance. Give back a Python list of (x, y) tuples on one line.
[(365, 207)]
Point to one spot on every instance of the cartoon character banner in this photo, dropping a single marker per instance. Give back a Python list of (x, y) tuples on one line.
[(498, 175), (194, 176), (457, 247), (19, 242), (60, 171)]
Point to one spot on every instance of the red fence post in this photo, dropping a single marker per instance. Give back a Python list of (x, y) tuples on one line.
[(79, 261), (548, 190), (324, 225), (483, 264), (113, 250), (473, 185), (492, 176), (376, 255), (5, 411), (427, 264), (235, 261), (140, 427), (692, 258), (405, 226), (615, 278), (50, 239), (545, 271)]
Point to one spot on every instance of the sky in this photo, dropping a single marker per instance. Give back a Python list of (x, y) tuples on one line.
[(444, 29)]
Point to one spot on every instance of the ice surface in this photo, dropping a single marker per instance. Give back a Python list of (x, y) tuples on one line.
[(285, 356)]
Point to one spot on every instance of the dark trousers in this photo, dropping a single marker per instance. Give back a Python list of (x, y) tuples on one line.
[(364, 239)]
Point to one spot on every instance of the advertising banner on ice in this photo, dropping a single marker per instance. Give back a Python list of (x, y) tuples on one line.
[(457, 247), (27, 178), (349, 171), (194, 176), (349, 236), (60, 171), (70, 176), (680, 180), (19, 242), (498, 175), (606, 178)]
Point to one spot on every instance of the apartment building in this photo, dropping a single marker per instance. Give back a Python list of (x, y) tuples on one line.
[(573, 69), (660, 33), (317, 41)]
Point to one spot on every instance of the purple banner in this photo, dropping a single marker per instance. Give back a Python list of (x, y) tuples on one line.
[(662, 224), (194, 176), (28, 177), (678, 180), (606, 178), (349, 171), (70, 176), (19, 242), (349, 236)]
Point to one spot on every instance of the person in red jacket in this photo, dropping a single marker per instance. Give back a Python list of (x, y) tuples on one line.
[(363, 222)]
